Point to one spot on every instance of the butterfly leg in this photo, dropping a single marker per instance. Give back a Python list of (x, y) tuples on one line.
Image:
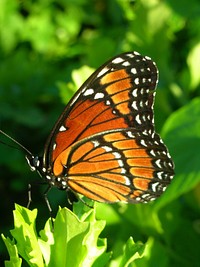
[(29, 196), (45, 195)]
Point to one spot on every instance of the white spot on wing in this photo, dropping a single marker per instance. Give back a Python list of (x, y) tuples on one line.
[(144, 117), (133, 70), (117, 60), (157, 162), (152, 152), (137, 118), (164, 188), (160, 175), (99, 96), (107, 148), (145, 196), (148, 58), (117, 155), (54, 146), (120, 162), (89, 92), (126, 64), (130, 134), (141, 104), (142, 142), (123, 170), (154, 186), (62, 129), (135, 92), (137, 81), (127, 180), (138, 199), (134, 105), (145, 132), (131, 55), (95, 143)]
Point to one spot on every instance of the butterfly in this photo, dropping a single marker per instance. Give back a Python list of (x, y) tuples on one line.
[(104, 145)]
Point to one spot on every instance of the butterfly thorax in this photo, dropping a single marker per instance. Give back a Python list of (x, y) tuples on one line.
[(36, 164)]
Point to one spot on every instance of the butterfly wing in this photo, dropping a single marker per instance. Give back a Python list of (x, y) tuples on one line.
[(118, 165), (104, 145), (118, 95)]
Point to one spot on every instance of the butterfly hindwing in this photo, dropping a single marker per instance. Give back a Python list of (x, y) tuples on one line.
[(119, 165)]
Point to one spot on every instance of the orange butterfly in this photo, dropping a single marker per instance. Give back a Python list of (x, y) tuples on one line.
[(104, 145)]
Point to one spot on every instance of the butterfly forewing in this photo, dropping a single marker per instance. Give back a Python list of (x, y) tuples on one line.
[(104, 144), (118, 95)]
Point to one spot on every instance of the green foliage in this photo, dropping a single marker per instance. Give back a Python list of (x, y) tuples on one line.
[(45, 51), (72, 240)]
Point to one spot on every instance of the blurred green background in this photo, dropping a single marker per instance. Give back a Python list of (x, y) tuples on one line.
[(42, 44)]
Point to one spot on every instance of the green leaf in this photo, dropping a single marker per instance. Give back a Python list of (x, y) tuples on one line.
[(15, 260), (153, 252), (26, 236), (132, 251), (46, 240), (76, 241)]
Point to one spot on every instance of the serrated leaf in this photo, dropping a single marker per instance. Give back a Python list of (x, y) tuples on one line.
[(68, 235), (46, 240), (75, 240), (25, 235), (15, 260)]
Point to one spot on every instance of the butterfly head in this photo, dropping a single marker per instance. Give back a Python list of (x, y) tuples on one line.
[(36, 164)]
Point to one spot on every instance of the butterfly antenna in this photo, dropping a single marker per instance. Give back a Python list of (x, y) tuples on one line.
[(16, 142)]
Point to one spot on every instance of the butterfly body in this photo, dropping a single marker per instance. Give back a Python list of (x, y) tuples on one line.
[(104, 144)]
